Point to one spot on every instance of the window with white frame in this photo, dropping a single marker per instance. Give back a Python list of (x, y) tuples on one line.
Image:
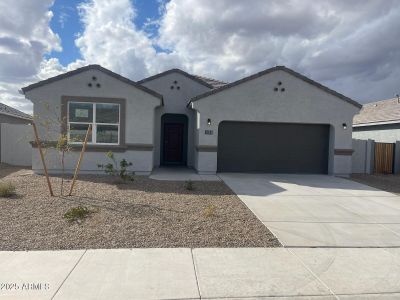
[(104, 118)]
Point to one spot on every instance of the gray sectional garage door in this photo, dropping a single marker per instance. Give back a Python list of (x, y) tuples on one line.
[(273, 147)]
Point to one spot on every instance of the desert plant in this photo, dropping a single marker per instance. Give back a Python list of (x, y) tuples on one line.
[(77, 214), (7, 189), (189, 185), (117, 169), (210, 211)]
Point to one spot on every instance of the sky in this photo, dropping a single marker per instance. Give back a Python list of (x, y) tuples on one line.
[(351, 46)]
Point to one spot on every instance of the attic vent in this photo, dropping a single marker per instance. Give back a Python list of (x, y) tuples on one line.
[(279, 87), (175, 85), (90, 84)]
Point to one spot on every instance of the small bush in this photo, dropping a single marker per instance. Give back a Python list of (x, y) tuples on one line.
[(210, 211), (77, 214), (121, 171), (189, 185), (7, 189)]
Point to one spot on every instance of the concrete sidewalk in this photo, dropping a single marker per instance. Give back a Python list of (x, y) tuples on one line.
[(250, 273)]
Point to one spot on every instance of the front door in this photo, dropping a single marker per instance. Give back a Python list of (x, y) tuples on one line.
[(173, 143)]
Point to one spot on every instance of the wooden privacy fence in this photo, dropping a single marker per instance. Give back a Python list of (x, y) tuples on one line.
[(384, 157)]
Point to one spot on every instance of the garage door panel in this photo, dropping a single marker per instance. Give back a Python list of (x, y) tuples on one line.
[(273, 147)]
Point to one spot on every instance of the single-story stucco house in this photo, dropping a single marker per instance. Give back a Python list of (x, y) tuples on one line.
[(276, 121), (378, 121), (10, 115)]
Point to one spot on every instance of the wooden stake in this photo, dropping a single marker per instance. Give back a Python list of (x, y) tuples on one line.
[(78, 165), (42, 157)]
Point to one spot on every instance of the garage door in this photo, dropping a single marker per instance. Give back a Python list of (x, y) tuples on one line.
[(273, 147)]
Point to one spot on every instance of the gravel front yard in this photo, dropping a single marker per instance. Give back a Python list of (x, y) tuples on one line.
[(389, 183), (145, 213)]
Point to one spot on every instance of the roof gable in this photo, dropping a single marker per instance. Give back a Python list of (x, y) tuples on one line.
[(86, 68), (270, 70), (207, 82)]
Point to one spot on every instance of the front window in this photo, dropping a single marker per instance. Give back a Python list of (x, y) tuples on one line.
[(104, 118)]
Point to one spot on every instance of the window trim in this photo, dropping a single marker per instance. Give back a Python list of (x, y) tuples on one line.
[(93, 123), (65, 100)]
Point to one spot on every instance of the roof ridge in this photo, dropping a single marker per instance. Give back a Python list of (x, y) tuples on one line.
[(380, 101), (197, 78)]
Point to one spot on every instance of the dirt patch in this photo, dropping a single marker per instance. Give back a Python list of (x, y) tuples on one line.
[(145, 213), (389, 183)]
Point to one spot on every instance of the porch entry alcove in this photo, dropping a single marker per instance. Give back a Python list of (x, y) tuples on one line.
[(174, 139)]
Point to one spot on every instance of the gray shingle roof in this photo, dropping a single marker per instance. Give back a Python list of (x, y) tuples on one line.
[(380, 111), (8, 110), (208, 82), (213, 82)]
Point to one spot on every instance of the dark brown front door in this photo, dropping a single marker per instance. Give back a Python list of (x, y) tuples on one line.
[(173, 143)]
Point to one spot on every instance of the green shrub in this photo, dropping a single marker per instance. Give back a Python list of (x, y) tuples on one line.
[(189, 185), (112, 168), (7, 189), (77, 213)]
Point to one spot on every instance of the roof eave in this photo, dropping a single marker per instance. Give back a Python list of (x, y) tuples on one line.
[(376, 123), (15, 116)]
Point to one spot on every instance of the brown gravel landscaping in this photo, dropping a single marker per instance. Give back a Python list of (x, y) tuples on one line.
[(144, 213), (389, 183)]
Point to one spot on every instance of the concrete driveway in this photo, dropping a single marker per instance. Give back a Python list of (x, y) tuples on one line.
[(320, 210)]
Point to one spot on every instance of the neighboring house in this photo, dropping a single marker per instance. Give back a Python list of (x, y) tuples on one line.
[(9, 115), (273, 121), (378, 121)]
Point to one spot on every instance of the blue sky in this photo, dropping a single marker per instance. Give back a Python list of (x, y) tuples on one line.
[(352, 47), (66, 23)]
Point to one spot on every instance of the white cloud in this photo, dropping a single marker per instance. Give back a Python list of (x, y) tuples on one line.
[(352, 46), (25, 36)]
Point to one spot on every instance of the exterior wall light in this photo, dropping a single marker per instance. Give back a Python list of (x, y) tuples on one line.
[(344, 126), (208, 122)]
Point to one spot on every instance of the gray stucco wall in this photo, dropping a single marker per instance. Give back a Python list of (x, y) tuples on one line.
[(140, 108), (256, 100), (14, 144), (388, 133), (175, 102), (6, 119), (363, 156)]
